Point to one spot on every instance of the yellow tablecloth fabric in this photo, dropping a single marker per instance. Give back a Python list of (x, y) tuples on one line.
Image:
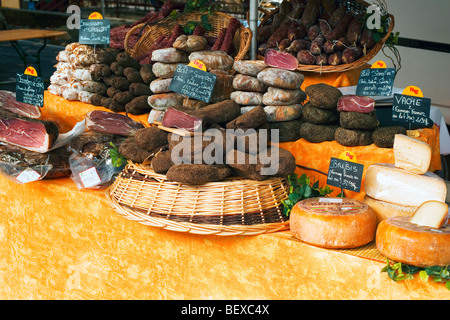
[(58, 242)]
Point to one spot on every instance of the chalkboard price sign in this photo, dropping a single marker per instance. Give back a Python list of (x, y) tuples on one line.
[(412, 110), (345, 174), (94, 31), (30, 89), (376, 82), (193, 82)]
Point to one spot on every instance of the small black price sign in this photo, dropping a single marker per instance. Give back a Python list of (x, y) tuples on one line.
[(94, 31), (345, 174), (412, 110), (193, 82), (376, 82), (30, 89)]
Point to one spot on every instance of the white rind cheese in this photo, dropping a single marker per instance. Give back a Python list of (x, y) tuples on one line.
[(411, 154), (387, 183)]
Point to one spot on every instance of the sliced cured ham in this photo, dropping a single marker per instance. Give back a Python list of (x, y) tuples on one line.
[(282, 60), (174, 118), (8, 101), (30, 134), (355, 103), (112, 123)]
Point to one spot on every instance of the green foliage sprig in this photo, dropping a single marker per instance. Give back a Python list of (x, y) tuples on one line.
[(301, 188), (117, 159), (206, 7), (399, 271)]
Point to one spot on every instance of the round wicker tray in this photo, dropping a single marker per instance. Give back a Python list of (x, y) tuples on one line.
[(356, 6), (241, 41), (235, 206)]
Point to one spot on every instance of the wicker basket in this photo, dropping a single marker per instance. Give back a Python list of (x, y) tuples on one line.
[(241, 41), (356, 6), (235, 206)]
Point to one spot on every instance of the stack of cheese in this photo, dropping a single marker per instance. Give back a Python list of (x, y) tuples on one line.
[(410, 202), (72, 78), (399, 189)]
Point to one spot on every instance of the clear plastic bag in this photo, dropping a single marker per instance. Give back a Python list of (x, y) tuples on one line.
[(22, 174), (90, 172)]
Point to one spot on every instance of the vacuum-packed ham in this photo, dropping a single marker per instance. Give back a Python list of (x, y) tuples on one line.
[(112, 123), (355, 103), (278, 59)]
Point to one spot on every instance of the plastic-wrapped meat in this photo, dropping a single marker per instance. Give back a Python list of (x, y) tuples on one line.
[(31, 134), (14, 159), (95, 144), (8, 102), (355, 103), (278, 59), (112, 123)]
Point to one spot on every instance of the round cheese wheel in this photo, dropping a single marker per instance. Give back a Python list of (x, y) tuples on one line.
[(384, 209), (406, 242), (333, 222)]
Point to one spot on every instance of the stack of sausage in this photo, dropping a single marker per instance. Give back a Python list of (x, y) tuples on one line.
[(72, 79), (277, 90), (317, 32), (162, 151), (127, 83), (187, 49)]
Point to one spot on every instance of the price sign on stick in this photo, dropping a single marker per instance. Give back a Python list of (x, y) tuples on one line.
[(412, 108), (94, 30), (345, 174), (193, 82), (376, 82), (30, 88)]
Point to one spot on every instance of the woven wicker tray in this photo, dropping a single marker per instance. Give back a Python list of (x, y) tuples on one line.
[(232, 207), (355, 6), (241, 41)]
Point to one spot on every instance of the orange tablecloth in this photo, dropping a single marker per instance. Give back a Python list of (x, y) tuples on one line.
[(58, 242)]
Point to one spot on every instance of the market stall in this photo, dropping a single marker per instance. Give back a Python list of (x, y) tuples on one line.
[(169, 165)]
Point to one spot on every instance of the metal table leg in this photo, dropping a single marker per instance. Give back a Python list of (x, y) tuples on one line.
[(24, 54)]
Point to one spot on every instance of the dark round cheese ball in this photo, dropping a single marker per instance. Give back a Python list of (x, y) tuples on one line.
[(358, 120), (316, 115), (317, 133), (384, 137), (353, 138), (324, 96)]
